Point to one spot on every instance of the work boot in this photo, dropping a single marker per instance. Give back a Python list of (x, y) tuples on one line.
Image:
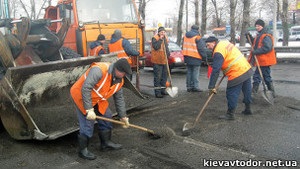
[(164, 92), (228, 116), (158, 93), (83, 151), (196, 90), (247, 110), (106, 143), (271, 88), (255, 88)]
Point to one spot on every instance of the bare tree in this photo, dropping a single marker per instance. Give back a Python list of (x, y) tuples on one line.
[(203, 17), (24, 7), (214, 2), (142, 7), (246, 21), (32, 3), (284, 19), (196, 3), (179, 23), (232, 20)]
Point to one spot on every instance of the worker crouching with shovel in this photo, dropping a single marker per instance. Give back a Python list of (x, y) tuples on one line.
[(90, 94), (231, 61)]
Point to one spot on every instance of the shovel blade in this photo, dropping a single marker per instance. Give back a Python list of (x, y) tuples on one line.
[(268, 96), (186, 130), (172, 91)]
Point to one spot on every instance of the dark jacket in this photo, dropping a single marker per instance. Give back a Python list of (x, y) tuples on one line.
[(267, 43), (156, 44), (200, 46), (126, 45)]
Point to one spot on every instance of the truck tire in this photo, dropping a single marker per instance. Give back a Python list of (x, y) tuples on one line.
[(68, 53)]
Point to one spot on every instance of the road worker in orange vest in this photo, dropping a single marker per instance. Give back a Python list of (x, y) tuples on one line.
[(234, 65), (193, 49), (90, 94), (160, 52), (263, 48), (96, 47)]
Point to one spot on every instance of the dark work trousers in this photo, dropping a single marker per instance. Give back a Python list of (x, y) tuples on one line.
[(160, 77), (232, 94), (86, 127), (266, 71)]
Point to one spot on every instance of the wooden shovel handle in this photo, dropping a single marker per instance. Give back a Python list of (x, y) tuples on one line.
[(122, 123), (207, 101), (258, 66)]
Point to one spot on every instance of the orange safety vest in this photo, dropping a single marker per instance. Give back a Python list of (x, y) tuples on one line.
[(266, 59), (189, 47), (101, 91), (96, 50), (118, 49), (158, 56), (235, 64)]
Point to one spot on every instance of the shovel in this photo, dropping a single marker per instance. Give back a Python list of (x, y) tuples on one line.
[(172, 91), (188, 126), (267, 94), (150, 132)]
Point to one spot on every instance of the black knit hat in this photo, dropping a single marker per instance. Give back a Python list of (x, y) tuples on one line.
[(211, 39), (195, 27), (260, 22), (101, 37), (161, 29), (123, 66)]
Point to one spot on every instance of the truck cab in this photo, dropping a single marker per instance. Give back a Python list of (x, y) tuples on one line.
[(89, 18)]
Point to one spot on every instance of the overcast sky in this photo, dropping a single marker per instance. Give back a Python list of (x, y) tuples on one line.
[(161, 10)]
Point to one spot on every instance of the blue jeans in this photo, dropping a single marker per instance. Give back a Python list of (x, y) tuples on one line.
[(266, 71), (86, 127), (160, 77), (192, 77), (232, 94)]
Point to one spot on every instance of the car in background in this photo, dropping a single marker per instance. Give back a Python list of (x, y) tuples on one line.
[(294, 36), (175, 60)]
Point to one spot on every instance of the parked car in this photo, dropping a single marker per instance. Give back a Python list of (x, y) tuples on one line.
[(294, 36), (175, 60)]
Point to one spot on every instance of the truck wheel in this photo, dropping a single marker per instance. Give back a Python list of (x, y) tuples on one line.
[(68, 53)]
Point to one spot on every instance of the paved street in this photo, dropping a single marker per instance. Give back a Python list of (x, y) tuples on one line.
[(269, 138)]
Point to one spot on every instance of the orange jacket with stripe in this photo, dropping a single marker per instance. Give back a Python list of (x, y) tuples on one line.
[(235, 64), (118, 49), (101, 92), (189, 47)]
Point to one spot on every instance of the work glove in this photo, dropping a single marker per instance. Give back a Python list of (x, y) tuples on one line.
[(126, 121), (90, 114), (212, 91)]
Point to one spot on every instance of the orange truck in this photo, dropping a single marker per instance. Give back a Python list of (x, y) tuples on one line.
[(40, 61), (89, 18)]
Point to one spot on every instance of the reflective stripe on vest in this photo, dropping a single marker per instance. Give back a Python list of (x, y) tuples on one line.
[(101, 85), (230, 64), (117, 48), (235, 64), (190, 47)]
